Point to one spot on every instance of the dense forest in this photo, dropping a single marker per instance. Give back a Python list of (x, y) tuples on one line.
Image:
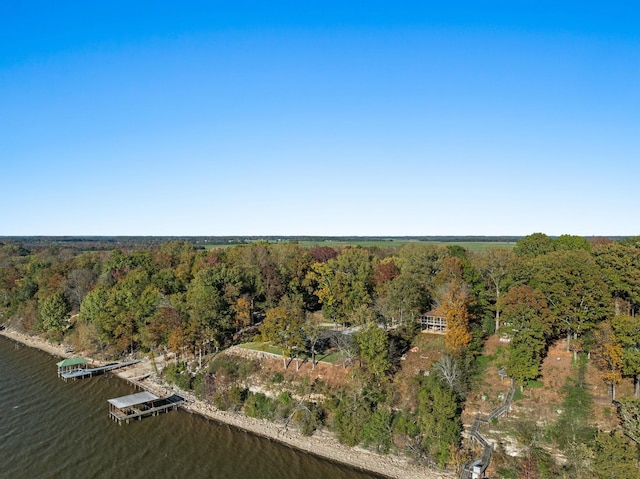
[(361, 305)]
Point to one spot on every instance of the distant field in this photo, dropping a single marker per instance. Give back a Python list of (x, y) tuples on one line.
[(394, 243), (479, 246)]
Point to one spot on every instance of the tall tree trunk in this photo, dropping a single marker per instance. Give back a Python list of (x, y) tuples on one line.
[(613, 392), (497, 310), (636, 385), (568, 340)]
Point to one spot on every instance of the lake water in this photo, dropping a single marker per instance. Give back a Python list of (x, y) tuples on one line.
[(55, 429)]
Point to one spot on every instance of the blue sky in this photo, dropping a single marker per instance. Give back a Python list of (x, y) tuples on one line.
[(319, 118)]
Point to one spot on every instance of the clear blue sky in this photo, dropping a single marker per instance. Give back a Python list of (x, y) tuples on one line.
[(319, 118)]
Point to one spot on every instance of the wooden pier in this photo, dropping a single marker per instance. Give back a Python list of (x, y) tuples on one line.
[(139, 405), (75, 368)]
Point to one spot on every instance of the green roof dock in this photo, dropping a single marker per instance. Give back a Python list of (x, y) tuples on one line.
[(76, 368)]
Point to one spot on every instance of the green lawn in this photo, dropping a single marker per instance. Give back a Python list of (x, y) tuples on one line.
[(267, 347), (331, 357)]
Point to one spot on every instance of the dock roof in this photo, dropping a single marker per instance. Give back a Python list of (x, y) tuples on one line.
[(133, 399), (71, 362)]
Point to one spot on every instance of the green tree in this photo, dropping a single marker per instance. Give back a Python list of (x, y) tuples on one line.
[(94, 311), (378, 431), (53, 312), (573, 288), (495, 266), (615, 457), (627, 333), (573, 424), (570, 242), (293, 263), (536, 244), (535, 459), (629, 412), (526, 320), (439, 419), (350, 413), (405, 299), (526, 351), (344, 284), (322, 278), (521, 305), (620, 266), (210, 299), (422, 262), (284, 327), (373, 349)]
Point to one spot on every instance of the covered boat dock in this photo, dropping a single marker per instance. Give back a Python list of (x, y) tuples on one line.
[(69, 365), (76, 368), (139, 405)]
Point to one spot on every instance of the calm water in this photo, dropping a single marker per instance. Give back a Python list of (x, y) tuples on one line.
[(53, 429)]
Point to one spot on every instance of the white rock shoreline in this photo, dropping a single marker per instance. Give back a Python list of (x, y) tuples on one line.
[(322, 443)]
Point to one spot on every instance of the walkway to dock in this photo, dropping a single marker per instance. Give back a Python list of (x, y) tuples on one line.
[(139, 405), (79, 373), (475, 469)]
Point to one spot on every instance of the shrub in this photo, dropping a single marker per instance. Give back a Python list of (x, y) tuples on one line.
[(178, 374), (308, 418), (377, 431), (233, 367), (259, 406), (284, 405), (230, 400)]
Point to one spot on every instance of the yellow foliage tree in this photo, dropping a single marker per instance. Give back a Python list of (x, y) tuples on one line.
[(242, 311), (454, 301), (609, 354)]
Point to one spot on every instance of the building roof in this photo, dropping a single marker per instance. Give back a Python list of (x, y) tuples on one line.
[(437, 313), (133, 399), (71, 362)]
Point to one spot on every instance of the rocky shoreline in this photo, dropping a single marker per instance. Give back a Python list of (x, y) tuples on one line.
[(321, 443)]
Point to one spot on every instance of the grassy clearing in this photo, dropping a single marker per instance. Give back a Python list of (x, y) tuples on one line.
[(261, 346), (430, 342), (331, 357)]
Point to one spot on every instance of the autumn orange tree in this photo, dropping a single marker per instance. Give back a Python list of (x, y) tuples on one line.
[(454, 301)]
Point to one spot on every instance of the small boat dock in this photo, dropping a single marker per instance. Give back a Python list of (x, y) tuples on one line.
[(76, 368), (139, 405)]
